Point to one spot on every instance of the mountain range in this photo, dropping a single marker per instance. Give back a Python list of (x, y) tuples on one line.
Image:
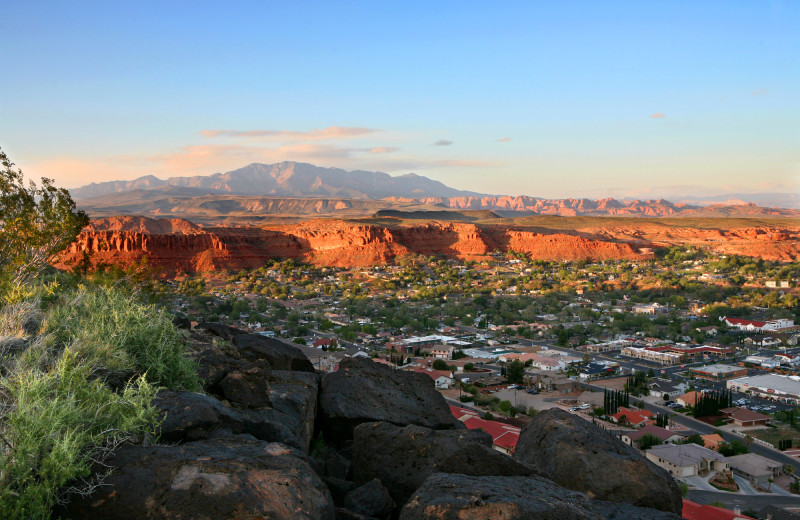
[(291, 189)]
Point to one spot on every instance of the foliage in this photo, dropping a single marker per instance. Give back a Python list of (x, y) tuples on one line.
[(647, 441), (58, 423), (729, 449), (613, 399), (120, 337), (636, 384), (439, 364), (710, 403), (694, 438), (35, 223), (684, 487), (515, 371)]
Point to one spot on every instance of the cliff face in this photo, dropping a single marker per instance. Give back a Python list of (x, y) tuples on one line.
[(176, 246)]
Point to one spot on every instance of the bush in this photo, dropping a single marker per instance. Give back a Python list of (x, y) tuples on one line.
[(59, 424), (466, 398), (121, 338), (439, 364)]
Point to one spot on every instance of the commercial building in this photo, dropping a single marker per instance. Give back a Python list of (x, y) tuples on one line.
[(719, 372), (769, 386)]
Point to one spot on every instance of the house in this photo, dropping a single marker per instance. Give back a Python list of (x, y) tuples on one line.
[(442, 351), (757, 469), (757, 326), (695, 511), (504, 436), (443, 379), (763, 361), (689, 398), (712, 440), (659, 387), (631, 416), (664, 435), (771, 512), (744, 417), (686, 460)]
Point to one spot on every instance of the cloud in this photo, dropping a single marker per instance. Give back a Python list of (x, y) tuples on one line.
[(381, 149), (465, 163), (761, 92), (657, 115), (443, 142), (331, 132), (502, 140)]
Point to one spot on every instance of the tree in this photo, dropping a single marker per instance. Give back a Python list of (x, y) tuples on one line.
[(515, 371), (647, 441), (35, 224), (439, 364), (695, 438)]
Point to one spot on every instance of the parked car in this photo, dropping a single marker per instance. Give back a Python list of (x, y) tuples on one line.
[(583, 407), (533, 391), (573, 409)]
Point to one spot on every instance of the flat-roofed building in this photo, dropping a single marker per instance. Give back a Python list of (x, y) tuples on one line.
[(770, 386), (719, 372), (655, 355)]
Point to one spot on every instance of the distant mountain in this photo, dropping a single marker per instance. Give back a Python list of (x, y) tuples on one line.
[(286, 179), (775, 200)]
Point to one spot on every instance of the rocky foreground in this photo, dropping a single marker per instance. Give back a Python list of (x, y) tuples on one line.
[(178, 246), (270, 438)]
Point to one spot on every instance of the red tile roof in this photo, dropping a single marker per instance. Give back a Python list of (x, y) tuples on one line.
[(737, 321), (503, 435), (695, 511), (633, 416)]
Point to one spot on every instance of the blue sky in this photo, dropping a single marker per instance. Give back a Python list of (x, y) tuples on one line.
[(551, 99)]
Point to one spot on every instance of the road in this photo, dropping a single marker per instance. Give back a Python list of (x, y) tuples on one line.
[(731, 500), (704, 429)]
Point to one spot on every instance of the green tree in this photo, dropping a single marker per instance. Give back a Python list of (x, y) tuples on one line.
[(440, 364), (35, 224), (515, 371), (647, 441)]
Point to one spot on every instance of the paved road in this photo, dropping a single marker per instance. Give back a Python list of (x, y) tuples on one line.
[(704, 429), (731, 500)]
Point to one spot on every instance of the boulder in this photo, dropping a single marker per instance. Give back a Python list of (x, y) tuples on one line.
[(370, 499), (247, 387), (213, 364), (402, 458), (182, 321), (293, 400), (346, 514), (280, 355), (191, 416), (455, 497), (364, 391), (229, 477), (339, 488), (583, 457)]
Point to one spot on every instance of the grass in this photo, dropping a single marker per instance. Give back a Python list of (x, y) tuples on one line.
[(84, 383), (773, 435)]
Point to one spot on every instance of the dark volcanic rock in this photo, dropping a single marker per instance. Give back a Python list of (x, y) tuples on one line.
[(402, 458), (293, 398), (230, 477), (192, 416), (182, 322), (456, 497), (246, 387), (254, 347), (339, 488), (371, 499), (279, 354), (580, 456), (364, 391)]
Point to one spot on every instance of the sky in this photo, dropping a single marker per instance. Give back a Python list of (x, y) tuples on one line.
[(551, 99)]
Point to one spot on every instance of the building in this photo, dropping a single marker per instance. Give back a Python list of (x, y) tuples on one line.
[(771, 386), (631, 416), (744, 417), (694, 511), (757, 469), (504, 436), (442, 351), (650, 308), (718, 372), (689, 398), (660, 388), (664, 435), (442, 379), (686, 460), (763, 361), (657, 355), (712, 440), (757, 326)]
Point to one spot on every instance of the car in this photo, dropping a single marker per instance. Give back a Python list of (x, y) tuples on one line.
[(667, 403), (583, 407), (674, 405), (573, 409), (512, 387), (533, 391)]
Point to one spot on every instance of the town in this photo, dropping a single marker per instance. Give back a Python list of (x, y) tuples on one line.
[(690, 357)]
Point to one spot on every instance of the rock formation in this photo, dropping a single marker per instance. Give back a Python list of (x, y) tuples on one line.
[(393, 450), (580, 456)]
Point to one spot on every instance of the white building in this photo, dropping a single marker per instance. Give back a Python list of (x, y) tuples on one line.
[(770, 386)]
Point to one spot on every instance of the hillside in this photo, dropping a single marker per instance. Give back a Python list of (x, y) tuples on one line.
[(179, 247)]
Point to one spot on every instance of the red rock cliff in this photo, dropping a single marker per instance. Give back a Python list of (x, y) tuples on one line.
[(179, 246)]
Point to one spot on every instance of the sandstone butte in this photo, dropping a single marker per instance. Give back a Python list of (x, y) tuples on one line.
[(177, 245)]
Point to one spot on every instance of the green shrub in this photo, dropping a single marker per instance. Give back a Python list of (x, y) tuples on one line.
[(120, 337), (59, 423)]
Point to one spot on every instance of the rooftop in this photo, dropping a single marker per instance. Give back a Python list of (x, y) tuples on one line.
[(684, 454), (717, 369)]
